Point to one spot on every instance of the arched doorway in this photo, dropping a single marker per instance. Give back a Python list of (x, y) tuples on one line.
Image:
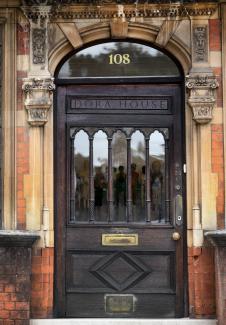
[(119, 186)]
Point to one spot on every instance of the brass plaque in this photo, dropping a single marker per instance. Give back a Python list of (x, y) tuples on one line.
[(120, 239), (119, 304)]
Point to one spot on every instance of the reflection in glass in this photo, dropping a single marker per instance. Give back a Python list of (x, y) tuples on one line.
[(138, 176), (81, 176), (157, 164), (100, 169), (119, 163), (118, 59)]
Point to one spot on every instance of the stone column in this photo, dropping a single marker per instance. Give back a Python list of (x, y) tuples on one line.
[(201, 99), (38, 101), (218, 240), (15, 281)]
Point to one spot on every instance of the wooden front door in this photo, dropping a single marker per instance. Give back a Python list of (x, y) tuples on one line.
[(119, 201)]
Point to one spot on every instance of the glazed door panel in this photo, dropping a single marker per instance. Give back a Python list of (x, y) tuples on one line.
[(119, 199)]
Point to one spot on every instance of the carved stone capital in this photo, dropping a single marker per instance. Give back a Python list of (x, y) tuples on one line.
[(38, 99), (201, 90)]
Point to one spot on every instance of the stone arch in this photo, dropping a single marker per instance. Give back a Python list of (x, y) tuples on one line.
[(136, 31)]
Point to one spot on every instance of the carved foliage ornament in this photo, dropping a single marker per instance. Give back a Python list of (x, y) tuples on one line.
[(67, 9), (201, 96), (200, 42), (39, 45), (38, 99), (50, 2)]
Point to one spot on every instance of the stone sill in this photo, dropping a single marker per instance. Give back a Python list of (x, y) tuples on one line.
[(216, 237), (17, 238), (110, 321)]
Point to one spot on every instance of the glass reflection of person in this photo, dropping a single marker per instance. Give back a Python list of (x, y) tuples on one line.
[(120, 186), (143, 180), (134, 183), (99, 185), (156, 189), (84, 185)]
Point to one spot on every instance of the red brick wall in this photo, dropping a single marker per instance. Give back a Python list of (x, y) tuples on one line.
[(201, 280), (214, 35), (15, 269), (218, 167), (42, 283)]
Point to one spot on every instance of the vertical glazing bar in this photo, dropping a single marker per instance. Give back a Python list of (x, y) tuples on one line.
[(129, 185), (72, 181), (91, 182), (110, 182), (147, 183), (167, 189)]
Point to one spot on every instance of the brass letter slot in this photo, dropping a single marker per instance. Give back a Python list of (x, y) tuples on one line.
[(120, 240)]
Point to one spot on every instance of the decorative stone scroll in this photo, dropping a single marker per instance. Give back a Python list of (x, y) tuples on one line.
[(201, 99), (38, 99)]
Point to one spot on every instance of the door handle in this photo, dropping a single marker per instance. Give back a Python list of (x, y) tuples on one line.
[(176, 236), (179, 209)]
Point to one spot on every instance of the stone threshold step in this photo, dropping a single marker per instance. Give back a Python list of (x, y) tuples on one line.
[(121, 321)]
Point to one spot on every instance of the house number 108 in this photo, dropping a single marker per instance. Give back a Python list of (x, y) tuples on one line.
[(119, 59)]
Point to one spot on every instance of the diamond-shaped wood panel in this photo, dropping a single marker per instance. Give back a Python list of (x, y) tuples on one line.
[(120, 271)]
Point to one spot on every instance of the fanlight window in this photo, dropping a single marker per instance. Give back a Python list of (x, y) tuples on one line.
[(118, 59)]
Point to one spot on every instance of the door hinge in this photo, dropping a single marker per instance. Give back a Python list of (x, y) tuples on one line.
[(185, 168)]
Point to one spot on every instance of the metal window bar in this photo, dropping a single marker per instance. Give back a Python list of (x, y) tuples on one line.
[(72, 182), (110, 182), (91, 183), (167, 189), (129, 190), (147, 182)]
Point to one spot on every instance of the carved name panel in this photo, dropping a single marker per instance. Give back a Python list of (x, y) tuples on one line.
[(117, 103)]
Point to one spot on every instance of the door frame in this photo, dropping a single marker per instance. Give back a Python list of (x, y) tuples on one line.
[(59, 233)]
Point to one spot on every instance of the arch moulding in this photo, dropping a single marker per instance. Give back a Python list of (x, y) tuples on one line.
[(102, 32)]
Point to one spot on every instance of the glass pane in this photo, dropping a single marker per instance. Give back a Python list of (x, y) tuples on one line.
[(138, 176), (100, 168), (118, 59), (119, 163), (81, 176), (157, 164)]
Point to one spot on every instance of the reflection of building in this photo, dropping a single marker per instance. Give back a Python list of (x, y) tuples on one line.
[(35, 38)]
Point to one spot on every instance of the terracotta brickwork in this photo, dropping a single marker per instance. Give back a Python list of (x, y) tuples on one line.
[(215, 35), (42, 283), (15, 285), (218, 167), (201, 279)]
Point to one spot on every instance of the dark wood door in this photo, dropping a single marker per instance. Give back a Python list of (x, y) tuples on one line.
[(119, 200)]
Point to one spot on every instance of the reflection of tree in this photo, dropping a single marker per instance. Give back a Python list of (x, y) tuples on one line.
[(138, 155), (143, 62), (119, 149)]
